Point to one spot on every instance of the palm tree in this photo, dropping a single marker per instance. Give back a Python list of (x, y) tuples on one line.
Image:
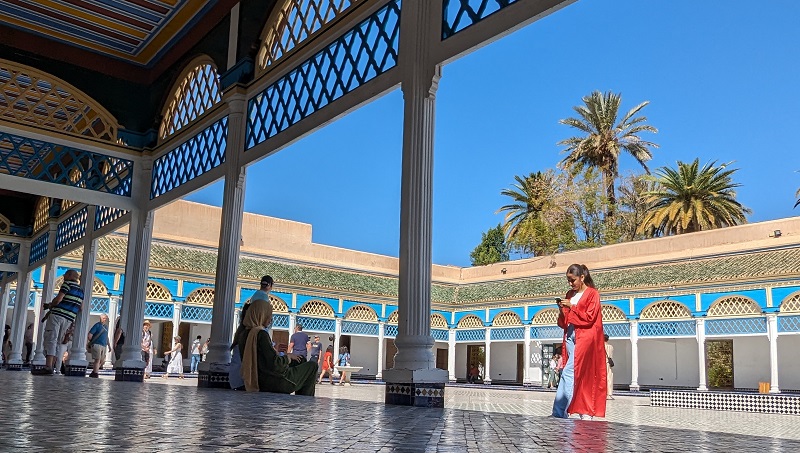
[(530, 194), (691, 198), (797, 194), (603, 139)]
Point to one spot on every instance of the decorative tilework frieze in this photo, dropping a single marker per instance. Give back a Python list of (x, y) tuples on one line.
[(460, 14), (359, 328), (667, 329), (513, 333), (153, 310), (727, 401), (317, 324), (471, 335), (736, 326)]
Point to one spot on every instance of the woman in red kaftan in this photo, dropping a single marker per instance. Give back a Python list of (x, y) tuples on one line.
[(582, 388)]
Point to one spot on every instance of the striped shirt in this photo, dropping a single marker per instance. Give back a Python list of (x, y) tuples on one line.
[(72, 301)]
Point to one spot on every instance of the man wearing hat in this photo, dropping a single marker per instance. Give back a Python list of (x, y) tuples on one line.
[(314, 350), (266, 287)]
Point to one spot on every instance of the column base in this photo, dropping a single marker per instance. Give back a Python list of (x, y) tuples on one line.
[(418, 388), (36, 367), (76, 369), (213, 376), (487, 382), (633, 387), (702, 388), (774, 389), (129, 374), (14, 365)]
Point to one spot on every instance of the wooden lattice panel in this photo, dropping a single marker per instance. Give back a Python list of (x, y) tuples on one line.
[(41, 214), (156, 291), (293, 23), (791, 305), (201, 296), (666, 309), (734, 306), (506, 318), (612, 314), (5, 224), (438, 321), (548, 316), (98, 288), (39, 99), (393, 318), (195, 93), (361, 313), (317, 308), (470, 321), (278, 305)]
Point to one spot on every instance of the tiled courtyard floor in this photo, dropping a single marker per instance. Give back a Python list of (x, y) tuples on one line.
[(58, 413)]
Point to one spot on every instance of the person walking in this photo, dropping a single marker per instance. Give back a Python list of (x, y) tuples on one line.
[(63, 310), (175, 365), (28, 344), (609, 368), (582, 388), (552, 381), (327, 365), (98, 344), (196, 346)]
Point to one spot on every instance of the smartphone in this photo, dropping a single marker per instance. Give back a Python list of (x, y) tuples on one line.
[(558, 300)]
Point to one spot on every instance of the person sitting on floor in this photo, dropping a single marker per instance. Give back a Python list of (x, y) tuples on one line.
[(262, 368)]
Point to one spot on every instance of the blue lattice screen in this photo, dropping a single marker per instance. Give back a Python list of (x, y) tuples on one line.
[(99, 305), (9, 252), (160, 310), (104, 215), (39, 248), (547, 332), (440, 334), (196, 156), (317, 324), (390, 331), (358, 56), (736, 326), (460, 14), (788, 323), (667, 329), (280, 321), (512, 333), (43, 161), (359, 328), (12, 298), (72, 228), (620, 330), (193, 313), (471, 335)]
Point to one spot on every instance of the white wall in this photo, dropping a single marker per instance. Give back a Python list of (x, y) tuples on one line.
[(622, 362), (364, 353), (788, 363), (750, 361), (668, 362), (503, 361), (461, 360)]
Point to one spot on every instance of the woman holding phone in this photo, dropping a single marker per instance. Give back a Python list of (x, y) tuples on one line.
[(582, 388)]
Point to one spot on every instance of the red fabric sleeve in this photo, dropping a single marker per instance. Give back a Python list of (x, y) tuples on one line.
[(586, 312)]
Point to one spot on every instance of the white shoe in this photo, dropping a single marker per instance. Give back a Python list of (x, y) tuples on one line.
[(586, 417)]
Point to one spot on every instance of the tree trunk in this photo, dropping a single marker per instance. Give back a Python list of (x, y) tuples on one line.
[(608, 181)]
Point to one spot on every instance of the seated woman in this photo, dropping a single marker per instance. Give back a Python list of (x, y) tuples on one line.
[(262, 368)]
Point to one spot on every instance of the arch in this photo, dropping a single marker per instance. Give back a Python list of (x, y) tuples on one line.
[(5, 224), (791, 304), (470, 321), (612, 313), (317, 308), (506, 318), (361, 313), (734, 306), (201, 296), (294, 22), (278, 305), (548, 316), (41, 214), (39, 99), (98, 288), (393, 318), (197, 89), (157, 291), (666, 309), (438, 321)]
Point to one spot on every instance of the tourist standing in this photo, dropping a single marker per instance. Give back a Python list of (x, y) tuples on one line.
[(609, 367), (314, 349), (196, 345), (98, 344), (63, 310), (204, 350), (552, 380), (28, 343), (263, 291), (344, 360), (474, 373), (582, 388), (119, 338), (147, 349), (175, 365), (299, 343), (6, 344)]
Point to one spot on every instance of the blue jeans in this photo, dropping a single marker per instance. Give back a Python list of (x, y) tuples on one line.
[(567, 381), (195, 362)]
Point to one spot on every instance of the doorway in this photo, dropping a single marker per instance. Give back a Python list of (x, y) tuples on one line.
[(441, 358), (520, 363), (719, 363), (476, 354)]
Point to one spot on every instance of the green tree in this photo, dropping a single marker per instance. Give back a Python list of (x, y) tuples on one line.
[(797, 194), (603, 139), (691, 198), (492, 249), (634, 204), (530, 195)]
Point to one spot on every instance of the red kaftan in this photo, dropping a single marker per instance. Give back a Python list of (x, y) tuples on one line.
[(589, 394)]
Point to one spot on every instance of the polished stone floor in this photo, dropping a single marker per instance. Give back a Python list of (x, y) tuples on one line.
[(59, 413)]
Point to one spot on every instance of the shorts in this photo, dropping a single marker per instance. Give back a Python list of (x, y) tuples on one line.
[(54, 331), (99, 352)]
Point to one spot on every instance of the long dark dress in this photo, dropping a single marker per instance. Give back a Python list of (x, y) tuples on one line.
[(274, 373)]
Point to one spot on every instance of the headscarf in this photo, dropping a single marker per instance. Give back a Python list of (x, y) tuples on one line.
[(258, 315)]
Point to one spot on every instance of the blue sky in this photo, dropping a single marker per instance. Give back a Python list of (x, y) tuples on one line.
[(721, 78)]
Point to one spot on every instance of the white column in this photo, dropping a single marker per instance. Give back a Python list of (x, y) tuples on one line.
[(37, 316), (77, 355), (20, 315), (48, 290), (176, 324), (337, 332), (526, 368), (634, 356), (381, 330), (700, 325), (5, 291), (292, 324), (451, 355), (772, 332), (113, 302), (227, 276), (487, 375)]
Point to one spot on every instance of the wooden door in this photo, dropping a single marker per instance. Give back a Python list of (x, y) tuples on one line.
[(520, 363), (441, 358)]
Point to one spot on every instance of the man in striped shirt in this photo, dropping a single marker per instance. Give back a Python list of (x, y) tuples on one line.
[(63, 310)]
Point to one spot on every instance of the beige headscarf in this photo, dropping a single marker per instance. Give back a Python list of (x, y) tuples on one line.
[(258, 315)]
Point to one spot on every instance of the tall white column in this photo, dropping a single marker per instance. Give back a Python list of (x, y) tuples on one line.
[(337, 342), (292, 323), (48, 291), (113, 302), (634, 356), (700, 325), (451, 355), (772, 332), (526, 368), (487, 355), (381, 330), (37, 316), (5, 291), (20, 315), (176, 323), (78, 359), (218, 359)]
